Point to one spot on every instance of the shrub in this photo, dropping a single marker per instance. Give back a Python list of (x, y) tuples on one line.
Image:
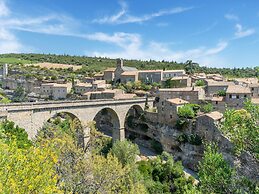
[(186, 111), (207, 108), (199, 83), (221, 93)]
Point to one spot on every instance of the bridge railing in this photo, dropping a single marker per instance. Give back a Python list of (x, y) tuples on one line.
[(66, 101)]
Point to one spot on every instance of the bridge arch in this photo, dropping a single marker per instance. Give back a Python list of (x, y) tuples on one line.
[(75, 125), (108, 122)]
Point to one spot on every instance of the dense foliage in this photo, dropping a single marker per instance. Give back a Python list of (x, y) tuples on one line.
[(97, 64), (242, 127), (217, 176)]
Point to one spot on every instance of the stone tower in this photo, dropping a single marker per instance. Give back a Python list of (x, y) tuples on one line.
[(5, 70), (120, 63)]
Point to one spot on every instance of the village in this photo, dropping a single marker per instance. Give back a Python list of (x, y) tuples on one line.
[(166, 86)]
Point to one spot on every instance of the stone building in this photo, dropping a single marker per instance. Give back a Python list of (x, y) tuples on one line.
[(167, 74), (213, 87), (98, 76), (236, 95), (167, 112), (150, 76), (191, 94), (55, 91), (109, 74), (179, 82), (254, 89), (81, 88), (129, 76), (121, 69)]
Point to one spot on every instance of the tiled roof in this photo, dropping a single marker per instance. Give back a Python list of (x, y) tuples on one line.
[(129, 73), (126, 68), (110, 69), (215, 115), (237, 89), (177, 101)]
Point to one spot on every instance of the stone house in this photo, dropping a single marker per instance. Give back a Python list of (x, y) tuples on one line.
[(198, 76), (213, 87), (100, 85), (215, 77), (55, 91), (246, 81), (179, 82), (109, 74), (81, 88), (129, 76), (12, 84), (121, 69), (167, 74), (88, 79), (150, 76), (236, 95), (254, 89), (191, 94), (167, 112)]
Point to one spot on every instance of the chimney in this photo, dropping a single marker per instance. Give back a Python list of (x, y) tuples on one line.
[(120, 63)]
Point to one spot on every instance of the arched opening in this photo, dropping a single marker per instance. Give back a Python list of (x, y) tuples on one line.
[(65, 122), (107, 122)]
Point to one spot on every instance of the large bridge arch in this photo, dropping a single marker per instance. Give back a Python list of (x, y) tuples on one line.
[(108, 122)]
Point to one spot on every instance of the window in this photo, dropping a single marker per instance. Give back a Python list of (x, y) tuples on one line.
[(252, 89), (162, 109), (230, 96), (216, 102), (171, 116), (237, 96), (162, 103), (245, 95)]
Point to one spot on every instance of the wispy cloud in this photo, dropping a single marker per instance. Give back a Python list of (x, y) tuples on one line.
[(122, 17), (132, 47), (241, 32), (232, 17), (209, 28), (4, 11)]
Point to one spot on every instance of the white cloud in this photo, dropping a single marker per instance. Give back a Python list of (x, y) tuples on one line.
[(4, 11), (232, 17), (132, 47), (240, 32), (122, 17)]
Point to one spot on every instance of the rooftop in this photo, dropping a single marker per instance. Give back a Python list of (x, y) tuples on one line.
[(255, 101), (251, 80), (126, 68), (238, 89), (84, 84), (186, 89), (129, 73), (178, 70), (218, 83), (179, 78), (110, 69), (217, 98), (215, 115), (177, 101)]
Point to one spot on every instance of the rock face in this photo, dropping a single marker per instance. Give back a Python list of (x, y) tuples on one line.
[(185, 144)]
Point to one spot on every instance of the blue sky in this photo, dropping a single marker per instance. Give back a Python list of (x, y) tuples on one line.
[(218, 33)]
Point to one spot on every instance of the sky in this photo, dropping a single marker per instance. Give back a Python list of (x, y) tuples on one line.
[(214, 33)]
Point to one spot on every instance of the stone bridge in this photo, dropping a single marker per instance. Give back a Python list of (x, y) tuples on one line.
[(32, 116)]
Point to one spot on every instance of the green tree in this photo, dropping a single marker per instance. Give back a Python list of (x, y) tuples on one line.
[(10, 133), (215, 174), (125, 151)]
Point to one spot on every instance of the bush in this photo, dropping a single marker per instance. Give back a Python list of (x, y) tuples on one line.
[(207, 108), (221, 93), (186, 111), (200, 83)]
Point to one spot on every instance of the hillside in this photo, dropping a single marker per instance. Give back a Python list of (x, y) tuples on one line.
[(97, 64)]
